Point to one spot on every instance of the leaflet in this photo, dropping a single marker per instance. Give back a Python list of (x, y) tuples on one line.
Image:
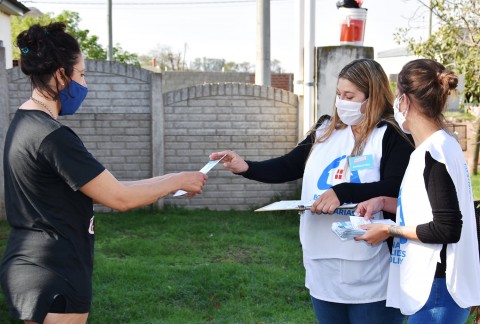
[(349, 230)]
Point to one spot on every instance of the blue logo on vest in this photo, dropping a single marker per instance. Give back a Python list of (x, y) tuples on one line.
[(323, 184), (400, 215)]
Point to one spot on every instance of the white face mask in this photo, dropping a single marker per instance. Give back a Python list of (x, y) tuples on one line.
[(400, 118), (349, 111)]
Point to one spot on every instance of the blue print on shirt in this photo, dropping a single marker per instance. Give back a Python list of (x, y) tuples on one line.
[(400, 215), (323, 184), (398, 253)]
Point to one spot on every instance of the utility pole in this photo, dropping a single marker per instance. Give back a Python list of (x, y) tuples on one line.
[(263, 76), (309, 107), (430, 20), (109, 21)]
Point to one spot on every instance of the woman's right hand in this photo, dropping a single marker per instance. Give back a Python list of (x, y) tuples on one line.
[(232, 161), (369, 207), (192, 182)]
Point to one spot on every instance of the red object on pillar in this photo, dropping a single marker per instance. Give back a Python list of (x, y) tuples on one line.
[(352, 25)]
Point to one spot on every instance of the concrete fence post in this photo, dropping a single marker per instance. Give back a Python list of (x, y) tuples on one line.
[(158, 148), (4, 122)]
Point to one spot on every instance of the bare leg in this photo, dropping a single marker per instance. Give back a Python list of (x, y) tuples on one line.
[(55, 318)]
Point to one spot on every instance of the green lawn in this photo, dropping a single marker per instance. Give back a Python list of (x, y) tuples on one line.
[(476, 186), (180, 266), (197, 266)]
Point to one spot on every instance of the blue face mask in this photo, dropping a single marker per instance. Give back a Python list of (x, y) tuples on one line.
[(72, 97)]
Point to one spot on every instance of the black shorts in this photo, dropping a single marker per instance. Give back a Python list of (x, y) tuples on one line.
[(30, 291)]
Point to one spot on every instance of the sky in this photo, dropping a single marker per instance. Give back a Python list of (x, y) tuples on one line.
[(226, 29)]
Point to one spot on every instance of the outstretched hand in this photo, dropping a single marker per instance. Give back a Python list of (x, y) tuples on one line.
[(232, 161), (192, 182)]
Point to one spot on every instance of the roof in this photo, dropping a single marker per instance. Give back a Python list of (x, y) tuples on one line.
[(395, 52), (13, 7)]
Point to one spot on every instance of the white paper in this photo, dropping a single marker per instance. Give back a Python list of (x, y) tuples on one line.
[(350, 230), (207, 167)]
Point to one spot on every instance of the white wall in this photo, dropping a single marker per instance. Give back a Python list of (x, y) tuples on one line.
[(6, 38)]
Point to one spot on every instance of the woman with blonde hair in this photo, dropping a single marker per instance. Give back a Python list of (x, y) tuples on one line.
[(357, 154)]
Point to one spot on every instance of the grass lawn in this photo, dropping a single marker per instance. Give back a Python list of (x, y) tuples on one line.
[(476, 186), (181, 266), (197, 266)]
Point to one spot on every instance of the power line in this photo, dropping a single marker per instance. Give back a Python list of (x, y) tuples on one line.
[(223, 2)]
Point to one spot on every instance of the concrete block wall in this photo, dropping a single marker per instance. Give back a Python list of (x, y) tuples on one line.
[(114, 121), (4, 121), (173, 80), (138, 130), (257, 122)]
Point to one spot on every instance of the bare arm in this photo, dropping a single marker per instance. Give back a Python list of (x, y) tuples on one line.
[(377, 233), (107, 190)]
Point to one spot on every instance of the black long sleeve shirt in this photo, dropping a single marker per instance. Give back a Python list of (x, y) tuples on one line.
[(396, 151)]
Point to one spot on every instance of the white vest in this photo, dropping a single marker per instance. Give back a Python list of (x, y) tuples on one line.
[(413, 263), (327, 166)]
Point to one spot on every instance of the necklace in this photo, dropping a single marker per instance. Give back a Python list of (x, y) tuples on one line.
[(38, 102)]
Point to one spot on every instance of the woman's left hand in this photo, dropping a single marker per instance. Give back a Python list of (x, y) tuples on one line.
[(326, 203), (376, 233)]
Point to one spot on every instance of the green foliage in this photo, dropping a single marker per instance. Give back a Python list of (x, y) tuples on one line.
[(456, 43), (393, 86), (88, 43)]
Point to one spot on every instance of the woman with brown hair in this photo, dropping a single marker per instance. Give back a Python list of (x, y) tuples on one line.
[(434, 268), (357, 154)]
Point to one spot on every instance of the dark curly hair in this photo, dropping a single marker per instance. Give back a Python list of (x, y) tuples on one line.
[(44, 50)]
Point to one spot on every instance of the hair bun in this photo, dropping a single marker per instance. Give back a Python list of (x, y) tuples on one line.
[(55, 28), (448, 80)]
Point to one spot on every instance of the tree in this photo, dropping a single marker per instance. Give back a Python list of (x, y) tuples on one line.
[(164, 58), (455, 44), (88, 44), (275, 66)]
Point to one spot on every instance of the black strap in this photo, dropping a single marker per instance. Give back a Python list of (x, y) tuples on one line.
[(477, 218)]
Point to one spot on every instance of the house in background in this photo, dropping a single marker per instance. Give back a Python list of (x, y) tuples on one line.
[(9, 8), (393, 60)]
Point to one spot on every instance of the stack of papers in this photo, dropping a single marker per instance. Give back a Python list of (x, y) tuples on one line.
[(349, 230)]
